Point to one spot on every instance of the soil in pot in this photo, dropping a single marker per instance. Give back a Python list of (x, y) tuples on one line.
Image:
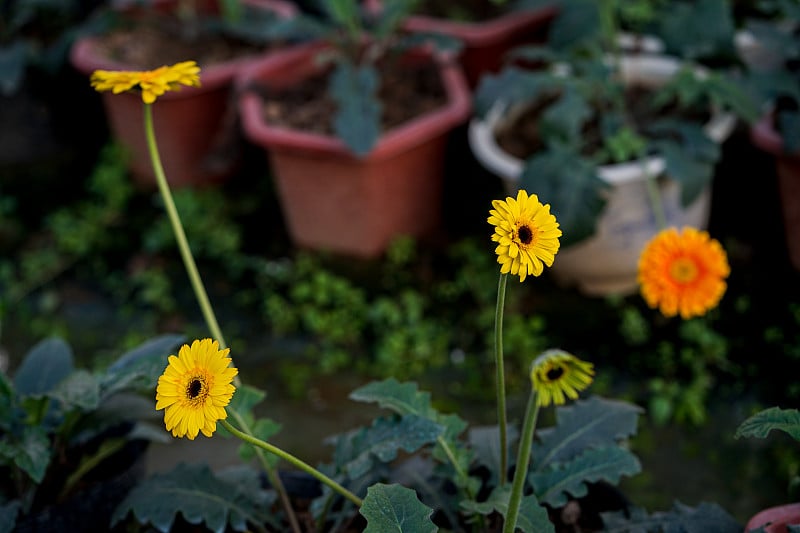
[(463, 11), (406, 92), (154, 40), (521, 137)]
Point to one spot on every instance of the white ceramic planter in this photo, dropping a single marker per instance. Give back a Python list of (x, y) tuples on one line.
[(606, 263)]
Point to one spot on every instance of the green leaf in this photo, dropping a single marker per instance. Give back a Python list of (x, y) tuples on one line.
[(760, 424), (407, 399), (140, 367), (577, 23), (609, 464), (686, 32), (572, 187), (564, 119), (705, 518), (194, 492), (31, 454), (532, 517), (344, 13), (44, 367), (692, 172), (395, 508), (79, 390), (382, 441), (512, 86), (595, 422), (485, 443), (358, 115)]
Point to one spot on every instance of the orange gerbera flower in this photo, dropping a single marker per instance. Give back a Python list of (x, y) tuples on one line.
[(683, 273)]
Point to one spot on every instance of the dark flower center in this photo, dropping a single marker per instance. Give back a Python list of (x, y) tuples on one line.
[(195, 386), (525, 235), (555, 373)]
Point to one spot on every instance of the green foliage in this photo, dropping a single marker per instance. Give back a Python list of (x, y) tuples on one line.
[(533, 517), (395, 508), (71, 234), (199, 496), (52, 411), (37, 36), (706, 518), (774, 84), (357, 121), (760, 424), (360, 41), (587, 117), (586, 444)]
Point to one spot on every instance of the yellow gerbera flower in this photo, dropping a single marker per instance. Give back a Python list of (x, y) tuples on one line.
[(195, 388), (526, 233), (556, 373), (152, 83), (683, 272)]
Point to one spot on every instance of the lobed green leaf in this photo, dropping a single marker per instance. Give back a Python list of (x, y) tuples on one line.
[(395, 508)]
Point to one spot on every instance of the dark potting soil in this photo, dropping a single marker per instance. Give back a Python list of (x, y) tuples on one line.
[(406, 91)]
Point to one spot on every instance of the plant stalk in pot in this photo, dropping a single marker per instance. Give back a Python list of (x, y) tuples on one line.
[(620, 145), (198, 124), (369, 166)]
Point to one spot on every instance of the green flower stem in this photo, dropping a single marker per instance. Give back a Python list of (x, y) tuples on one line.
[(177, 228), (291, 459), (501, 376), (521, 469), (200, 291), (655, 201)]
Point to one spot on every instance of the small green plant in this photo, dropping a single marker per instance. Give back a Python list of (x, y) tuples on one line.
[(62, 425), (359, 41), (587, 115)]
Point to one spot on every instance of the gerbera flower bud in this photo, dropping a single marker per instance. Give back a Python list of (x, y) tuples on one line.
[(556, 375)]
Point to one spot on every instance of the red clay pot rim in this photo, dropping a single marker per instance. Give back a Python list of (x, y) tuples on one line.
[(411, 133), (482, 33), (778, 515)]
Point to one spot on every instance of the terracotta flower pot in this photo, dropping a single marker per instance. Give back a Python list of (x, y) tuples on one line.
[(195, 127), (606, 263), (775, 519), (335, 201), (485, 42), (787, 167)]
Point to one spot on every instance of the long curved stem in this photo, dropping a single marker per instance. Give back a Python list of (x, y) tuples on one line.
[(521, 468), (501, 376), (177, 228), (201, 295), (291, 459)]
